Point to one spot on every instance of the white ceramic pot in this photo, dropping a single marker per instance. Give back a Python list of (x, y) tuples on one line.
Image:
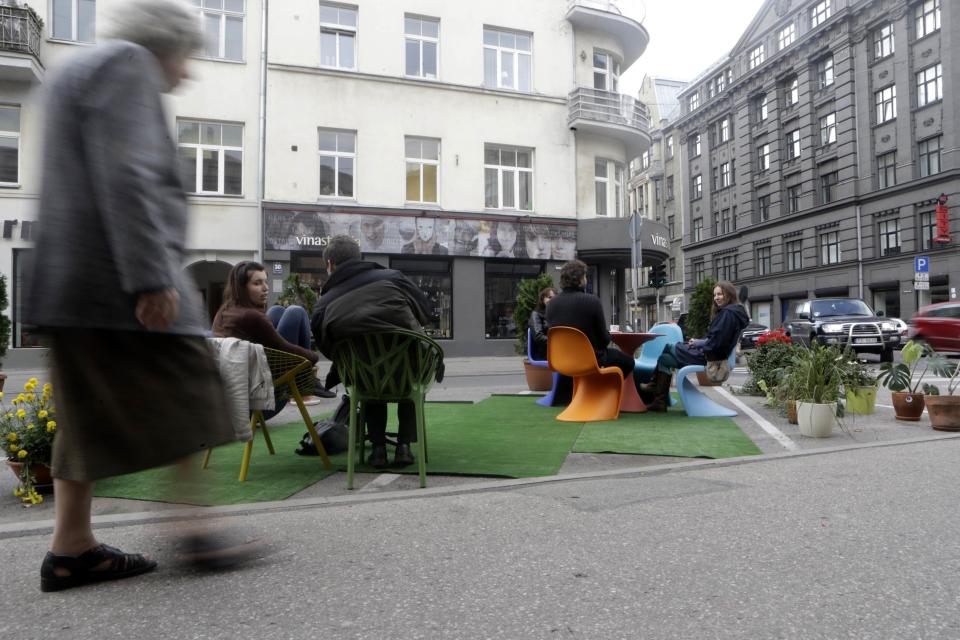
[(816, 420)]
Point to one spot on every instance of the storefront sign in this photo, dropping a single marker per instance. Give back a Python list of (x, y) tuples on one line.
[(943, 221), (420, 235)]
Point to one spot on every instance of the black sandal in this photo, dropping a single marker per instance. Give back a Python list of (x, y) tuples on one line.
[(220, 551), (83, 568)]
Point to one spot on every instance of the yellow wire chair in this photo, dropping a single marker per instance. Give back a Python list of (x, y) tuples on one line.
[(392, 366), (292, 379)]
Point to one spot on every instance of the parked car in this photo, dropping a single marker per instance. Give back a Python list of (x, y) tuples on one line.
[(842, 321), (904, 330), (750, 335), (938, 325)]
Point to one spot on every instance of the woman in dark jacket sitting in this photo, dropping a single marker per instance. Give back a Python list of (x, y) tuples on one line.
[(538, 324), (727, 320)]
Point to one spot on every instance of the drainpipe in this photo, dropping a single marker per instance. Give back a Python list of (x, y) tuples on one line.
[(856, 138), (859, 256), (262, 122)]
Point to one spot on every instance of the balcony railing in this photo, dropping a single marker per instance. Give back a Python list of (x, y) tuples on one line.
[(20, 31), (596, 105)]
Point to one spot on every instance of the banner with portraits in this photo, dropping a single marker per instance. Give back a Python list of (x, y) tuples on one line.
[(420, 235)]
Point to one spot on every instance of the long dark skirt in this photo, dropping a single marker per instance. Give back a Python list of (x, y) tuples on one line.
[(127, 401)]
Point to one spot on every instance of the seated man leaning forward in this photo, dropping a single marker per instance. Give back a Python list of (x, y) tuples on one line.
[(576, 308), (728, 319), (362, 297)]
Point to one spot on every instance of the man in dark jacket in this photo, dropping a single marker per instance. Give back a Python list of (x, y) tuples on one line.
[(576, 308), (363, 297)]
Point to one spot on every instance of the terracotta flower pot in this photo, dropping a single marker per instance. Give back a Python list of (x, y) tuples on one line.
[(43, 481), (704, 381), (792, 412), (944, 412), (907, 406), (538, 378)]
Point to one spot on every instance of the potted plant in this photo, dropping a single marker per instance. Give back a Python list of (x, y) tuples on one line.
[(859, 385), (27, 430), (528, 292), (296, 291), (4, 326), (944, 410), (766, 364), (899, 377), (814, 379)]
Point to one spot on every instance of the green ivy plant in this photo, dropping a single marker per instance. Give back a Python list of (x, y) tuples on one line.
[(899, 376), (527, 295)]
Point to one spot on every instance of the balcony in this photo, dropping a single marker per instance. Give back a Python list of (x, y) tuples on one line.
[(610, 114), (20, 35), (613, 17)]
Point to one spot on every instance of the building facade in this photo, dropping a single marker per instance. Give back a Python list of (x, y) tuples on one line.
[(816, 151)]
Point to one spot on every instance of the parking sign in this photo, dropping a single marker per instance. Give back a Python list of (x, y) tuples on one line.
[(921, 264)]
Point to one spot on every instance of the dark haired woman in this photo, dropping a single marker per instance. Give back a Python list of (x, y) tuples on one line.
[(538, 323), (727, 320)]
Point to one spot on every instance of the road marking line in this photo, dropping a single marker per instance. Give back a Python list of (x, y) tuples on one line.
[(765, 424), (379, 482)]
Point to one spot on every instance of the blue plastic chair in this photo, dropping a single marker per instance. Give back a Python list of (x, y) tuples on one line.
[(646, 364), (547, 400), (695, 402)]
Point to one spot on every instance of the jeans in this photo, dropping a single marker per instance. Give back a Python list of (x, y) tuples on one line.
[(667, 362), (293, 325), (376, 415)]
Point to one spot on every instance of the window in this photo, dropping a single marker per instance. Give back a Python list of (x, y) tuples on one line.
[(696, 187), (645, 159), (828, 129), (421, 44), (757, 56), (889, 231), (671, 228), (928, 17), (819, 13), (423, 167), (728, 223), (722, 130), (669, 146), (672, 270), (669, 187), (338, 36), (508, 177), (791, 92), (793, 250), (434, 279), (793, 144), (223, 28), (720, 82), (725, 175), (760, 312), (74, 20), (693, 102), (764, 261), (825, 72), (500, 286), (656, 194), (338, 159), (929, 156), (762, 108), (600, 181), (793, 198), (763, 207), (699, 273), (830, 247), (211, 157), (716, 224), (786, 36), (606, 71), (9, 145), (930, 85), (695, 145), (928, 229), (828, 187), (715, 181), (886, 101), (883, 41), (726, 268), (887, 170), (507, 60), (763, 157), (697, 229)]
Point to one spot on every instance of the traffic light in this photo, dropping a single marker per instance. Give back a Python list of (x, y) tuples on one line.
[(658, 276)]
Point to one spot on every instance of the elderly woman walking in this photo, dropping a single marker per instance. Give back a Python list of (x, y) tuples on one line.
[(136, 386)]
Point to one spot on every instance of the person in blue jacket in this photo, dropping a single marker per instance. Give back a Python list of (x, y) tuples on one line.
[(728, 318)]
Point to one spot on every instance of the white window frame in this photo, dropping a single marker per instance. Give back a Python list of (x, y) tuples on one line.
[(820, 13), (693, 102), (924, 155), (793, 144), (610, 72), (340, 30), (763, 107), (723, 129), (828, 129), (500, 50), (74, 23), (421, 40), (930, 85), (825, 72), (885, 101), (515, 170), (763, 156), (14, 135), (791, 93), (757, 56), (927, 18), (601, 183), (696, 191), (337, 156), (420, 162), (696, 146), (786, 36), (830, 252), (726, 177), (883, 42), (669, 147), (222, 14), (199, 147), (697, 231)]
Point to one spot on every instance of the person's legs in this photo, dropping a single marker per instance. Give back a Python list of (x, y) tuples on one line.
[(619, 359), (407, 433), (72, 533), (274, 314), (376, 416), (667, 362), (293, 325)]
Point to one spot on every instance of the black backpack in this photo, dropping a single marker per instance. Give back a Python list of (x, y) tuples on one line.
[(334, 432)]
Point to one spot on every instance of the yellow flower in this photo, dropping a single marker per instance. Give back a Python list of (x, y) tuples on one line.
[(1, 395), (51, 425), (15, 401), (10, 414), (12, 437), (31, 397), (13, 448), (18, 492), (22, 453), (33, 381), (42, 414), (21, 413), (21, 397), (30, 426)]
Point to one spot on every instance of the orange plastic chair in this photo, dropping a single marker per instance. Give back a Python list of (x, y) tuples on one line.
[(596, 391)]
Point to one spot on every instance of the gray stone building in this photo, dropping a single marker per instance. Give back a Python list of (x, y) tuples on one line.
[(814, 154)]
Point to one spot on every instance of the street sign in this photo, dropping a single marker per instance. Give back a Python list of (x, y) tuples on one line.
[(921, 285), (921, 277), (921, 264)]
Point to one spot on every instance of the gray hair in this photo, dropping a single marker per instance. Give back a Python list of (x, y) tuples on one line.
[(340, 249), (166, 28)]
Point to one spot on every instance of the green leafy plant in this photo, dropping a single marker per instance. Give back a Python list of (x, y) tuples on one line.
[(946, 369), (698, 314), (815, 374), (899, 376), (27, 430), (528, 293), (768, 362), (296, 291), (4, 320), (854, 373)]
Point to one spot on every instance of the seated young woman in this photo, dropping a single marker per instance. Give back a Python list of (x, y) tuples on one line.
[(728, 318), (538, 323), (244, 314)]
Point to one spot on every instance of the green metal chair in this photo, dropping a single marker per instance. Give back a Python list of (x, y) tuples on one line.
[(392, 366)]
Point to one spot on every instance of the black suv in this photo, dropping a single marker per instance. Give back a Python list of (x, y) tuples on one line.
[(842, 321)]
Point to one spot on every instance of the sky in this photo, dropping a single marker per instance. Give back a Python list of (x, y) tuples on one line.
[(686, 37)]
